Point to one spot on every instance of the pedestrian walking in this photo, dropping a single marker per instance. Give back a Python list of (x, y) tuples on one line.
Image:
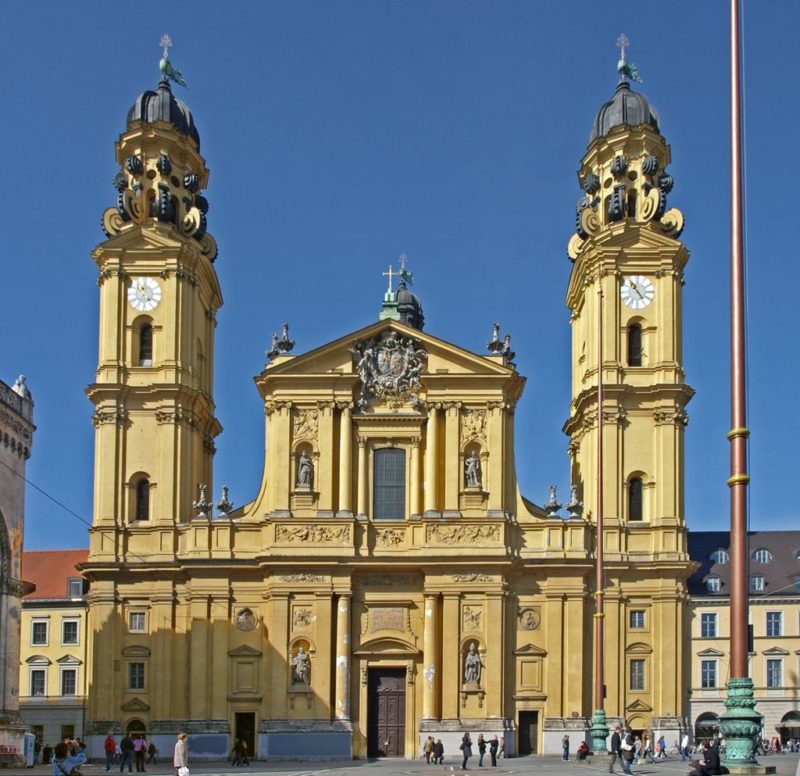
[(152, 754), (685, 747), (438, 752), (126, 753), (565, 748), (627, 753), (427, 749), (616, 748), (466, 751), (180, 758)]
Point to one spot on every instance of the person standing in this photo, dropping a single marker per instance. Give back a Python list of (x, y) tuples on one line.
[(616, 748), (481, 749), (684, 747), (438, 752), (180, 758), (427, 749), (110, 748), (494, 745), (565, 748), (139, 750), (466, 751), (126, 753)]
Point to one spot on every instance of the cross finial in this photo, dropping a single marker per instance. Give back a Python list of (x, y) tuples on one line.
[(390, 274), (166, 44), (622, 44)]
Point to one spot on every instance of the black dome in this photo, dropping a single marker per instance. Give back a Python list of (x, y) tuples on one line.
[(409, 308), (625, 107), (162, 105)]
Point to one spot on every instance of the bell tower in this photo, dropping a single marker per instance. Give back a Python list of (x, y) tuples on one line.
[(626, 290), (159, 294)]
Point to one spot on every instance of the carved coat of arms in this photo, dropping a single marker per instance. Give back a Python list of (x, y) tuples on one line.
[(389, 367)]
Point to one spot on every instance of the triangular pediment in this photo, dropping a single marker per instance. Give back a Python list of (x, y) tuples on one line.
[(245, 650), (68, 660), (710, 652), (530, 649), (135, 705), (775, 651), (136, 650), (335, 358), (151, 238), (638, 705)]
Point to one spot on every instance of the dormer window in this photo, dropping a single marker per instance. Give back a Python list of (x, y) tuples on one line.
[(762, 555), (720, 557)]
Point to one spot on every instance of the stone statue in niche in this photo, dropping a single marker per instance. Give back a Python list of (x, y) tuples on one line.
[(472, 665), (305, 471), (301, 667), (472, 470)]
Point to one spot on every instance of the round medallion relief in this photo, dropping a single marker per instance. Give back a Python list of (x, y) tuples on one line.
[(245, 620), (529, 619)]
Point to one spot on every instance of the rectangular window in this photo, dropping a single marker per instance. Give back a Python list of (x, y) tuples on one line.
[(74, 587), (637, 674), (136, 676), (708, 625), (69, 681), (136, 622), (774, 623), (38, 676), (389, 484), (708, 673), (636, 619), (39, 632), (69, 632), (774, 673)]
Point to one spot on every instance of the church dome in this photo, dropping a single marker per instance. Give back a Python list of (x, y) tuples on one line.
[(409, 308), (162, 105), (625, 107)]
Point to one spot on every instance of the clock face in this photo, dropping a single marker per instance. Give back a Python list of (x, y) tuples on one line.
[(144, 294), (637, 292)]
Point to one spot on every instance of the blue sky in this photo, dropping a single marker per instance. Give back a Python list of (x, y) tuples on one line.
[(341, 134)]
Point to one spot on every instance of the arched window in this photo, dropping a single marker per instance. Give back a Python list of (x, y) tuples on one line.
[(762, 555), (720, 557), (635, 510), (146, 345), (634, 345), (389, 489), (142, 509)]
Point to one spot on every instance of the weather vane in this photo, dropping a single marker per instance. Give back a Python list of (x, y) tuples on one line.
[(169, 72), (624, 68)]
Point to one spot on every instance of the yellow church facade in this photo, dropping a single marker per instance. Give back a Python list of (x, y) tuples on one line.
[(388, 581)]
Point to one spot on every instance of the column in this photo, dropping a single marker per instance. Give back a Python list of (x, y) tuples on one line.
[(342, 710), (346, 461), (430, 657), (432, 461), (453, 474), (416, 484), (362, 477)]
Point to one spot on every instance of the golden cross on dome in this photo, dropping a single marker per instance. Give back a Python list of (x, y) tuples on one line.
[(390, 275)]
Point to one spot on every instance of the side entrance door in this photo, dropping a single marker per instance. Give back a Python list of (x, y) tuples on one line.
[(386, 712), (528, 732), (245, 730)]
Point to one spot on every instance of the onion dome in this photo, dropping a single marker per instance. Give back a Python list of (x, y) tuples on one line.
[(625, 107), (162, 105)]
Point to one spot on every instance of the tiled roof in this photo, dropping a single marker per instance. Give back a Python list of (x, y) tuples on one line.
[(49, 570), (780, 574)]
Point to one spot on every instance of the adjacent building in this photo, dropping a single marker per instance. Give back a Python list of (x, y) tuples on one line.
[(774, 569), (53, 674), (16, 442), (388, 581)]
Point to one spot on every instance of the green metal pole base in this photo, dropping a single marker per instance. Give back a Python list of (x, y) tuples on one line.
[(599, 731), (740, 724)]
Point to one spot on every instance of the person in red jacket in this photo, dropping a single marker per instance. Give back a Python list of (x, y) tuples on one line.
[(110, 747)]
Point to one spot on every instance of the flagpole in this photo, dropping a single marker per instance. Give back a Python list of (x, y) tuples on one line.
[(740, 723), (599, 729)]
